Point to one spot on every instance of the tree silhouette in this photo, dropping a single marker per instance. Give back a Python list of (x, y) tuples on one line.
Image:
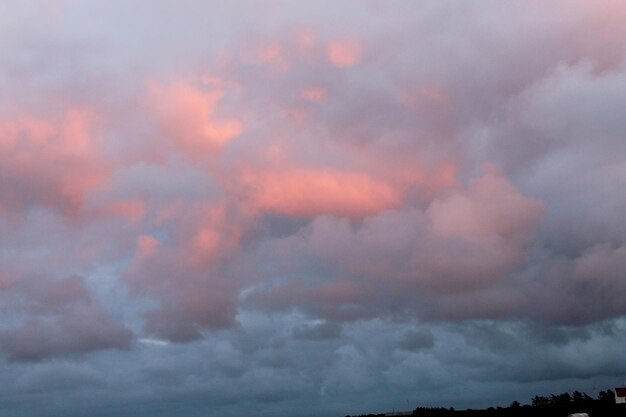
[(540, 401), (542, 406), (607, 396)]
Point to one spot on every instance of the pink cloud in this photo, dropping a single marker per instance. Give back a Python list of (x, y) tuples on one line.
[(490, 207), (344, 53), (51, 161), (606, 21), (308, 192), (146, 246), (184, 275), (187, 115), (370, 161), (475, 235), (469, 239)]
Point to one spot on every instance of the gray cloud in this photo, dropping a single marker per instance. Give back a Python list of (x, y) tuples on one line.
[(417, 340), (59, 317)]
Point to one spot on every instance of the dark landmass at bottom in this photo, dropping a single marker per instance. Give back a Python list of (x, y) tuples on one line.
[(561, 405)]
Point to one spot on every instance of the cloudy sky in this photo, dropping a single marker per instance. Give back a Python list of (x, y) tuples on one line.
[(313, 208)]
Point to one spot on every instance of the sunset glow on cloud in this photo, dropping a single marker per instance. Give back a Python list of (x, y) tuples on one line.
[(344, 53), (185, 114), (310, 208), (312, 193)]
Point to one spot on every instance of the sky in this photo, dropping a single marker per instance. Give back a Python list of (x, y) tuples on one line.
[(312, 208)]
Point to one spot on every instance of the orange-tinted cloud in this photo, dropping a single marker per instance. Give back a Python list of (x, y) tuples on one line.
[(308, 192), (52, 161), (187, 115)]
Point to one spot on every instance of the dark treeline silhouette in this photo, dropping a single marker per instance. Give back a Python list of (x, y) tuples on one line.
[(560, 405)]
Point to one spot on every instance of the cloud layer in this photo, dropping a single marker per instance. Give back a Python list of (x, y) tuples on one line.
[(311, 201)]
